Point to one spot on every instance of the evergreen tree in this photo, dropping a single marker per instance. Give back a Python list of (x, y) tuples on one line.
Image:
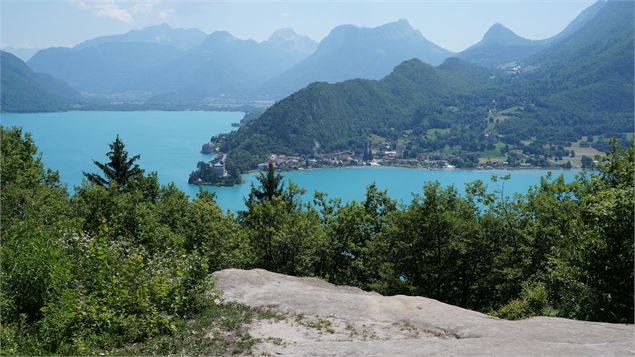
[(368, 153), (120, 169), (271, 186)]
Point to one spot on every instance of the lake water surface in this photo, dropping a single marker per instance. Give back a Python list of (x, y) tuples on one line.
[(170, 143)]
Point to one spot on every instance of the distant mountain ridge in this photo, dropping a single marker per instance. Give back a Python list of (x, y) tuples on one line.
[(356, 52), (174, 63), (111, 64), (163, 34), (501, 45), (160, 64), (24, 90), (106, 68), (225, 66), (164, 64), (501, 35), (22, 53)]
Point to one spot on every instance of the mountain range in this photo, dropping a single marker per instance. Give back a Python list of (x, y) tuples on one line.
[(180, 38), (581, 84), (352, 52), (160, 63), (164, 61), (164, 65), (225, 66), (104, 69)]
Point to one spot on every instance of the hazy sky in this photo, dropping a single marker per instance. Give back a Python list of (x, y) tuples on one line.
[(454, 25)]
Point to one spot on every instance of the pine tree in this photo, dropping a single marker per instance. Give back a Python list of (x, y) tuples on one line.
[(368, 153), (121, 170), (271, 186)]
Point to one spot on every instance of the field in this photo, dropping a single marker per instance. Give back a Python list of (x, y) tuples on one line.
[(579, 152)]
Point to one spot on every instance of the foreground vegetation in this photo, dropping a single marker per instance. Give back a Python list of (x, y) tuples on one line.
[(122, 265)]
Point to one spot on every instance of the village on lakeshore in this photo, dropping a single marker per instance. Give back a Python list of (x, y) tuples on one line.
[(390, 154)]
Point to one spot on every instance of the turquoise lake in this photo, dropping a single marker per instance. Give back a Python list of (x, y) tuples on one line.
[(170, 143)]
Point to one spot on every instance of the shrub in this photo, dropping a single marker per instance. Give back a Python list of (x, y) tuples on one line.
[(533, 301)]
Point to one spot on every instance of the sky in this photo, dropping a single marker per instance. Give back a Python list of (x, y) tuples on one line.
[(454, 24)]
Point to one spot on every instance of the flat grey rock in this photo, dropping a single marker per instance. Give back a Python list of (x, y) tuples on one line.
[(328, 320)]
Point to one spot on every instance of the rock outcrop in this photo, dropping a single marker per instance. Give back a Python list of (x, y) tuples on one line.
[(315, 318)]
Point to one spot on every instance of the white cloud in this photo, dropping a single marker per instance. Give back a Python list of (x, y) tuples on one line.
[(143, 7), (164, 14), (105, 8), (124, 10)]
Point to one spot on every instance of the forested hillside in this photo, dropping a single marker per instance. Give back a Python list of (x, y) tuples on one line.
[(328, 117), (583, 85), (502, 48), (25, 90)]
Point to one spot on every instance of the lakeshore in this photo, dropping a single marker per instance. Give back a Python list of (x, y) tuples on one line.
[(168, 142)]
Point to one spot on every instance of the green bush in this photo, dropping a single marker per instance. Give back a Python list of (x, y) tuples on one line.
[(534, 301)]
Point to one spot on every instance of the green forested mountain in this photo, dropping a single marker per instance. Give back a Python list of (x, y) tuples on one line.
[(579, 21), (585, 82), (594, 61), (581, 87), (403, 107), (24, 90), (339, 116)]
